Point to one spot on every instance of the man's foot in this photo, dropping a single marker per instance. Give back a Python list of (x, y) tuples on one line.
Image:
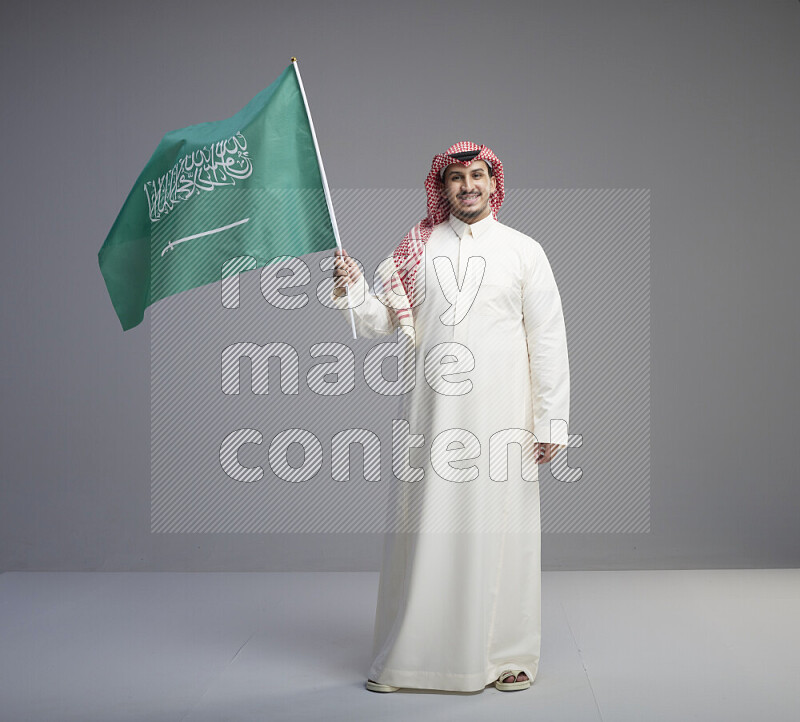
[(512, 679), (378, 687)]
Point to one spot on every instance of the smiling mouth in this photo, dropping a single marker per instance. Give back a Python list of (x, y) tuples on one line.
[(470, 198)]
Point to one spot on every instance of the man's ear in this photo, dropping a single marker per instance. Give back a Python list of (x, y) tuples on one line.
[(493, 184)]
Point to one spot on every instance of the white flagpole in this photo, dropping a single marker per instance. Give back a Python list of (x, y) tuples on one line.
[(324, 181)]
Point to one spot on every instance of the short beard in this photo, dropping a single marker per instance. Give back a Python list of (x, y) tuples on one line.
[(466, 214)]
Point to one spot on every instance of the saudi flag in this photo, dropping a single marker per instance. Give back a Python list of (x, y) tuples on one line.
[(215, 196)]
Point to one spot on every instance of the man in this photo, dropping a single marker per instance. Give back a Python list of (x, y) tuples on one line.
[(459, 599)]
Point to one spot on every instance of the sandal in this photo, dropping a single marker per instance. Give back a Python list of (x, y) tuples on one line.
[(378, 687), (511, 686)]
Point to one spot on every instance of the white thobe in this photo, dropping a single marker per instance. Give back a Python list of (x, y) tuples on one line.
[(459, 598)]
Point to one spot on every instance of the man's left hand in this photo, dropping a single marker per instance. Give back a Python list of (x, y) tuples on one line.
[(544, 453)]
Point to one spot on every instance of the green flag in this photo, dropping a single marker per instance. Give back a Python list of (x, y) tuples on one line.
[(249, 185)]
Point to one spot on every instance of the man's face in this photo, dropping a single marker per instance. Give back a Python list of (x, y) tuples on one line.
[(467, 189)]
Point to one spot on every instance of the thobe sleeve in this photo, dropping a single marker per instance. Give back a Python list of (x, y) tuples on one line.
[(372, 317), (547, 348)]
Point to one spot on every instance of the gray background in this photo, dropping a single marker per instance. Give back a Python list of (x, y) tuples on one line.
[(695, 101)]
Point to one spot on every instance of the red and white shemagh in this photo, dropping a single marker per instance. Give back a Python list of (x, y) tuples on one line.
[(409, 252)]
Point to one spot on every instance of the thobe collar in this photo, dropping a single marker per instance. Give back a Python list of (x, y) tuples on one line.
[(475, 229)]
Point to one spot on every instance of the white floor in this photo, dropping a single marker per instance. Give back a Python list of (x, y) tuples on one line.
[(702, 645)]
